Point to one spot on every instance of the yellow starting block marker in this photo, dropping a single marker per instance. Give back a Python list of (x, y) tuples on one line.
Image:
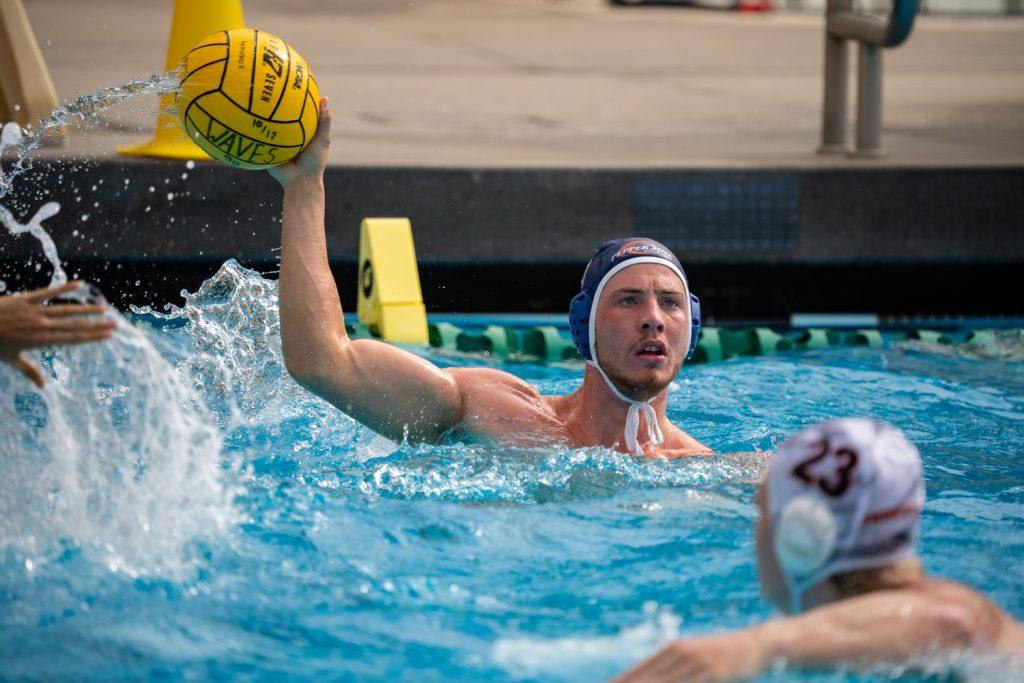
[(390, 300)]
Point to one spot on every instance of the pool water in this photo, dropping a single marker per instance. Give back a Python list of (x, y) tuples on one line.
[(173, 505)]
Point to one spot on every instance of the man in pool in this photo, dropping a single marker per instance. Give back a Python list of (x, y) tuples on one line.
[(840, 511), (635, 314)]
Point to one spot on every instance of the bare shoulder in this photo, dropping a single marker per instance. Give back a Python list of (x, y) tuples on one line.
[(679, 444), (481, 380), (973, 616), (931, 611), (499, 405)]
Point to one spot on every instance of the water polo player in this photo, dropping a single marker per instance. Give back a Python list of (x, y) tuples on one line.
[(839, 517), (634, 321)]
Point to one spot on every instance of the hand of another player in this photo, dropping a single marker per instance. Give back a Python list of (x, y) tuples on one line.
[(26, 322), (726, 657), (313, 160)]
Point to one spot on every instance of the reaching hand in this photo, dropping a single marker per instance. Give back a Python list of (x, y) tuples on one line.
[(726, 657), (26, 322), (312, 161)]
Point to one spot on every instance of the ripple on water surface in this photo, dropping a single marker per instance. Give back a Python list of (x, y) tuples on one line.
[(198, 514)]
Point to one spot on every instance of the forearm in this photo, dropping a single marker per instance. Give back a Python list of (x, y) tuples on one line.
[(392, 391), (311, 317), (815, 642)]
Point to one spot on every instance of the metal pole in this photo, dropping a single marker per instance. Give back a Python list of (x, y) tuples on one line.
[(833, 126), (869, 101)]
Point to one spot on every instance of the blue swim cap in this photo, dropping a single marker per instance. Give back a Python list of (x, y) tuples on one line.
[(611, 257)]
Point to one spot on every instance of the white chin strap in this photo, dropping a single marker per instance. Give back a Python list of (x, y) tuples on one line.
[(636, 408)]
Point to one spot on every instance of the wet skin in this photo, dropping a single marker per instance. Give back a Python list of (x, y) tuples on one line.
[(403, 396), (642, 328)]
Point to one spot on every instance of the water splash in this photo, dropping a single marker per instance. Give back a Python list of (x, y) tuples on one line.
[(581, 657), (116, 457), (24, 141), (235, 359), (490, 473), (35, 228), (10, 136), (231, 353)]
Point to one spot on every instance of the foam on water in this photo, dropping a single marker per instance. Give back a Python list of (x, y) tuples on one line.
[(363, 559), (115, 456), (577, 658)]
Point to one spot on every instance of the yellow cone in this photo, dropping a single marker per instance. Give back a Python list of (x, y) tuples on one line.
[(26, 90), (193, 20)]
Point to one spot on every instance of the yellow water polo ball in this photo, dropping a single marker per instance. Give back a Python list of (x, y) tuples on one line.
[(248, 99)]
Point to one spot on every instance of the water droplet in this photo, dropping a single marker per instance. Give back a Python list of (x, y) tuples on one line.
[(190, 164), (170, 196), (152, 189), (184, 176), (74, 233), (85, 217)]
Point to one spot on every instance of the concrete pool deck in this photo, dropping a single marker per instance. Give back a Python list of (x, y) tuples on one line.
[(578, 83), (517, 134)]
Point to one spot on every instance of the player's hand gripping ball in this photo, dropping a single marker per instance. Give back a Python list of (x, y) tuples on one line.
[(247, 98)]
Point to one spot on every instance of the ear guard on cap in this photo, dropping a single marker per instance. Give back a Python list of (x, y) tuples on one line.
[(579, 323), (805, 536)]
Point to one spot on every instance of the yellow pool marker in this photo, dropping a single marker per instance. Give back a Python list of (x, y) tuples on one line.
[(390, 300), (192, 21)]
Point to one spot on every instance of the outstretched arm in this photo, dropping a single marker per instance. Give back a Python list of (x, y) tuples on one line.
[(394, 392), (887, 626)]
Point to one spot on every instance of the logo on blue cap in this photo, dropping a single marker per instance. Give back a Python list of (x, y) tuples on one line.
[(608, 256)]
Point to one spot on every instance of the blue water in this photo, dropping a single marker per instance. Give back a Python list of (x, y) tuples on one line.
[(174, 506)]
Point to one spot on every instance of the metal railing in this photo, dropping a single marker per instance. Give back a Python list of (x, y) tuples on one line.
[(873, 34)]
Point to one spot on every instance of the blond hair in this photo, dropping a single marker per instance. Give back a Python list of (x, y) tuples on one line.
[(897, 575)]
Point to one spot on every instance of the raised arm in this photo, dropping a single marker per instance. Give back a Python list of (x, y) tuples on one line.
[(394, 392), (882, 627)]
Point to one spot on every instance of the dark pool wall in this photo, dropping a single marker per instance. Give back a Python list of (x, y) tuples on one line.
[(756, 243)]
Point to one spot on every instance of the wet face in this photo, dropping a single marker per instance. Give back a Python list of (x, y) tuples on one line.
[(642, 329), (773, 588)]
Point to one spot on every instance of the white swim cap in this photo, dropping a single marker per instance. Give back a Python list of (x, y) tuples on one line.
[(843, 495)]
